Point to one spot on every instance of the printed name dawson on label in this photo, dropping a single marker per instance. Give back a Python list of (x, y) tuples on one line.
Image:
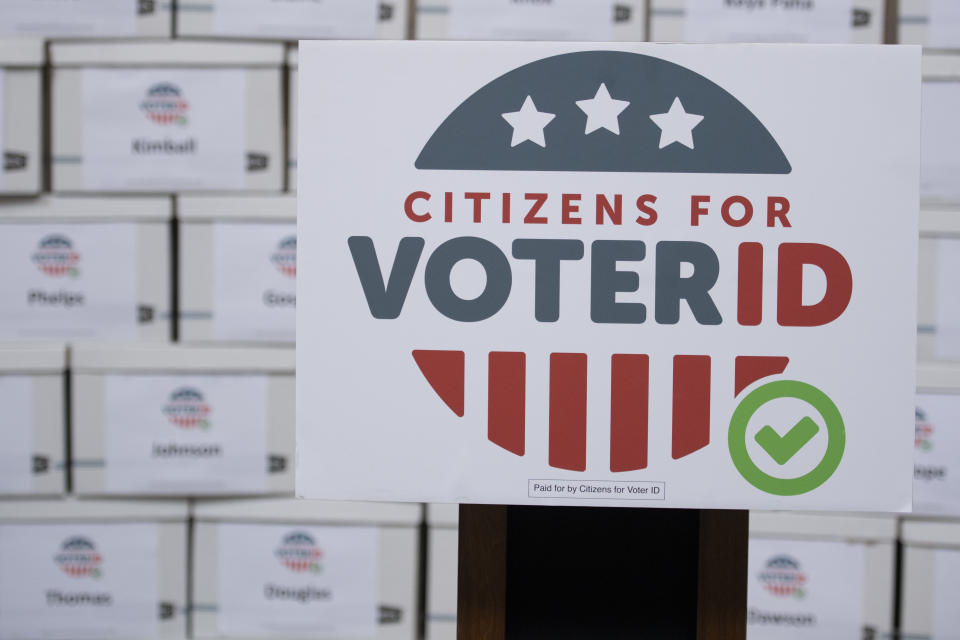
[(596, 489)]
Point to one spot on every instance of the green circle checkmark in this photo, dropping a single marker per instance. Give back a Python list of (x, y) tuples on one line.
[(783, 448)]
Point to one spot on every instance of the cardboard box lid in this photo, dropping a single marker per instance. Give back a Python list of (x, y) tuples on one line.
[(938, 376), (73, 509), (46, 208), (443, 515), (941, 66), (33, 358), (166, 53), (174, 358), (861, 528), (931, 533), (939, 219), (192, 208), (307, 511), (21, 52)]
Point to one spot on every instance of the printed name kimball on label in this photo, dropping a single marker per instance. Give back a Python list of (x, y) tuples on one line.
[(607, 263)]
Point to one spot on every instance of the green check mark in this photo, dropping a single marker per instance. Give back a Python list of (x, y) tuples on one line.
[(782, 448)]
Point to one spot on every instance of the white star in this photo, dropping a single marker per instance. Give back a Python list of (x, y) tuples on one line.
[(602, 111), (528, 123), (676, 125)]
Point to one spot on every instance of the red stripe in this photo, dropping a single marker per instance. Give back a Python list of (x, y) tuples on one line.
[(629, 401), (444, 370), (749, 369), (691, 404), (506, 400), (568, 411), (750, 284)]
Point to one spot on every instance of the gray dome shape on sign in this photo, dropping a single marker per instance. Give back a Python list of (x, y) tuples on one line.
[(729, 138)]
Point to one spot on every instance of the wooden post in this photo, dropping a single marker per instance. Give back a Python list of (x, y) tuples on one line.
[(573, 572)]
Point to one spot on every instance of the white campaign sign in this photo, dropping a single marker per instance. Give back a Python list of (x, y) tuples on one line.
[(634, 276), (293, 20), (588, 20), (943, 30), (946, 594), (804, 589), (164, 129), (254, 281), (68, 281), (16, 434), (809, 21), (170, 434), (946, 343), (936, 485), (68, 18), (940, 162), (78, 581), (293, 580)]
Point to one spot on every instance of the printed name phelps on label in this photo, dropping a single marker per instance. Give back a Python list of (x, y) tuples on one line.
[(645, 490)]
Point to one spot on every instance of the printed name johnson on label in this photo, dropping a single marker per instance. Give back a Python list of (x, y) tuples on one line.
[(598, 489)]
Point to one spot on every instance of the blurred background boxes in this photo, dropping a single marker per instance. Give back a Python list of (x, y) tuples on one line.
[(587, 20), (20, 110), (293, 100), (291, 568), (34, 419), (936, 483), (238, 268), (93, 570), (820, 576), (940, 135), (86, 19), (442, 558), (938, 313), (167, 116), (268, 19), (932, 23), (182, 421), (930, 579), (861, 22), (85, 269)]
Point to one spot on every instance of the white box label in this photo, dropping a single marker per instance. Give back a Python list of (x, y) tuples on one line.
[(68, 18), (829, 21), (588, 20), (79, 581), (69, 281), (946, 594), (293, 580), (936, 486), (296, 19), (551, 264), (170, 434), (16, 434), (946, 338), (940, 163), (164, 129), (254, 281), (3, 123), (943, 30), (804, 589)]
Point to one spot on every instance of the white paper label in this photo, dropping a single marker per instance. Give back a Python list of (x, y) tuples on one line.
[(943, 30), (946, 595), (296, 19), (164, 129), (78, 581), (824, 21), (936, 486), (508, 260), (588, 20), (169, 434), (3, 124), (280, 580), (16, 434), (68, 18), (69, 281), (946, 338), (254, 281), (804, 589), (940, 141)]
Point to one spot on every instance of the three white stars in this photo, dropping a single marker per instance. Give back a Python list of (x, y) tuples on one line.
[(603, 112)]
